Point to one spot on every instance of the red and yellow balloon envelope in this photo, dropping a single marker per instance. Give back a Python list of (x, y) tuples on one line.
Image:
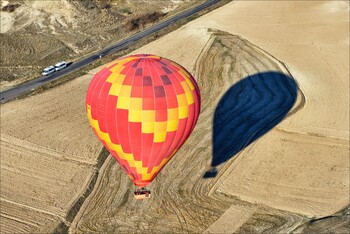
[(143, 108)]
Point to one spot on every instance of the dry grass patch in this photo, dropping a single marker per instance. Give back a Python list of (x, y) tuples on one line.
[(38, 186)]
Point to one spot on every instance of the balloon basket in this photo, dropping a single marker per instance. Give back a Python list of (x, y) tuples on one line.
[(142, 193)]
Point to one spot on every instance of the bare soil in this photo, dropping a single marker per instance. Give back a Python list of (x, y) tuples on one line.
[(291, 179), (185, 204), (309, 147), (336, 223), (36, 34), (38, 186)]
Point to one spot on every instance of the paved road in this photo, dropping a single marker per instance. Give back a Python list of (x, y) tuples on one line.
[(33, 84)]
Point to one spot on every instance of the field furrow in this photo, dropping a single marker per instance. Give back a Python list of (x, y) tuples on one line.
[(181, 200)]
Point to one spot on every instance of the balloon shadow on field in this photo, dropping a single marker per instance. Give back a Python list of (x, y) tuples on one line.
[(248, 110)]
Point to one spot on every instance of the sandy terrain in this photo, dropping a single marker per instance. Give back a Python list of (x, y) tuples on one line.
[(184, 204), (290, 178), (47, 159), (6, 19), (41, 33), (39, 120), (38, 186), (23, 219), (316, 53), (302, 165), (297, 34), (290, 171), (337, 223)]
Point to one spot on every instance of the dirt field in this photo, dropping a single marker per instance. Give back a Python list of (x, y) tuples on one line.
[(316, 53), (301, 166), (291, 171), (47, 160), (41, 33), (38, 185), (224, 61)]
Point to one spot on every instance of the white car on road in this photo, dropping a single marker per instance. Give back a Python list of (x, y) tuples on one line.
[(60, 65), (48, 70)]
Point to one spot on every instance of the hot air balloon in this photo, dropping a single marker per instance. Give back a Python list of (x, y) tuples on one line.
[(143, 108)]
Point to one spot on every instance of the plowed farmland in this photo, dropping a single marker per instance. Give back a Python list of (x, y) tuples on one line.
[(182, 200), (269, 152), (36, 34)]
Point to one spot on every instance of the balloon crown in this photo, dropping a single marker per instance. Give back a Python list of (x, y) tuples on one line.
[(146, 57)]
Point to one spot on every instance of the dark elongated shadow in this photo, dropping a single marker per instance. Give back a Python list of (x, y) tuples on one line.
[(248, 110)]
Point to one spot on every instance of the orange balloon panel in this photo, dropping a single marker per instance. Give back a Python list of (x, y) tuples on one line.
[(143, 108)]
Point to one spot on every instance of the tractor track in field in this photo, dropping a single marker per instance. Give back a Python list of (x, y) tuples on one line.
[(181, 198), (292, 178)]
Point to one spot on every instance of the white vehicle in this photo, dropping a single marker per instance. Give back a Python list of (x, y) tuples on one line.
[(60, 65), (48, 70)]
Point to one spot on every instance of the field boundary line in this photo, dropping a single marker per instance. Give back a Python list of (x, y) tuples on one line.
[(19, 220), (342, 141), (44, 151), (32, 208)]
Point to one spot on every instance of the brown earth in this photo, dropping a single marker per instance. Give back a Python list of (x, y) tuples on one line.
[(315, 51), (336, 223), (285, 181), (39, 33), (46, 166), (69, 137), (38, 186), (185, 204)]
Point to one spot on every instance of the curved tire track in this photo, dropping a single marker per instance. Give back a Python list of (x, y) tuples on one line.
[(181, 200)]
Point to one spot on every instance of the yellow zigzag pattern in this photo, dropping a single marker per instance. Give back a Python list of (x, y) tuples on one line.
[(125, 156)]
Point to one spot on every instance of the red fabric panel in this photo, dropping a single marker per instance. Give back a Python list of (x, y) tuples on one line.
[(95, 94), (147, 92), (197, 103), (136, 91), (156, 149), (160, 103), (188, 125), (166, 150), (178, 87), (145, 66), (111, 118), (101, 108), (161, 114), (147, 103), (135, 138), (128, 80), (147, 144), (156, 73), (157, 82), (93, 83), (182, 128), (123, 130)]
